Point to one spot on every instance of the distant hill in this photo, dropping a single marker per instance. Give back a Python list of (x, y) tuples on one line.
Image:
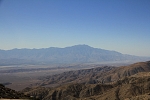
[(73, 54)]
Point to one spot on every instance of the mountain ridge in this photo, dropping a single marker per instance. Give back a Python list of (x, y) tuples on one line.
[(72, 54)]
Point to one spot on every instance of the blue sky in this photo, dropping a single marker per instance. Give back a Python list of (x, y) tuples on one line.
[(120, 25)]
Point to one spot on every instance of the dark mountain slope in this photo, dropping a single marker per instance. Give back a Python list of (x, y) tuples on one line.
[(74, 54), (6, 93), (38, 93)]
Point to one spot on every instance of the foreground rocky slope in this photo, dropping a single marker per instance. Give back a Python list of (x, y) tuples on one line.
[(6, 93), (129, 88), (130, 83)]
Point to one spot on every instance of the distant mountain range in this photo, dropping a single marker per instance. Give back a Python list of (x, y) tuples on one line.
[(73, 54)]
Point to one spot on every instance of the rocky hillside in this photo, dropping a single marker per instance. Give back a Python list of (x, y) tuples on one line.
[(116, 83), (6, 93), (104, 74), (125, 71), (79, 76), (135, 87)]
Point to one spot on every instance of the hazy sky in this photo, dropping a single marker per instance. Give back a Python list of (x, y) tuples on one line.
[(120, 25)]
